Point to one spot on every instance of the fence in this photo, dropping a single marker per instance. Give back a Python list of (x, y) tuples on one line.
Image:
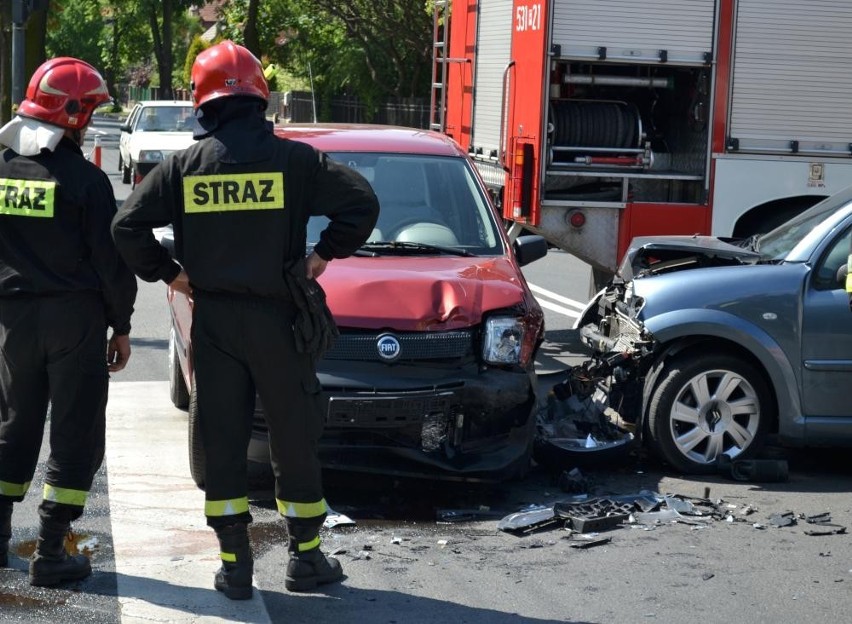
[(299, 106)]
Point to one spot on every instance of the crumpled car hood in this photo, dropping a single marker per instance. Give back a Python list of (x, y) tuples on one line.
[(663, 254), (420, 294)]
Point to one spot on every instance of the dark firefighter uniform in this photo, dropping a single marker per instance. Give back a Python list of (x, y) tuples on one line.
[(62, 283), (239, 201)]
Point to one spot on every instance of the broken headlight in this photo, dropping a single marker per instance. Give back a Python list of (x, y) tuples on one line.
[(502, 339)]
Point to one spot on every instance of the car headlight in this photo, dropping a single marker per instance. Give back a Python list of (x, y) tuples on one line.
[(503, 337), (151, 156)]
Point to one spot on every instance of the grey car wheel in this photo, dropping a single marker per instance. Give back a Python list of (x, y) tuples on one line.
[(125, 173), (706, 405)]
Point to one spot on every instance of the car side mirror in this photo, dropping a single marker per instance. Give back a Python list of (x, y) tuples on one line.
[(529, 248), (125, 128)]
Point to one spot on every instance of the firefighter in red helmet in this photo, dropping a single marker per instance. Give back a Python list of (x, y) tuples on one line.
[(242, 256), (62, 284)]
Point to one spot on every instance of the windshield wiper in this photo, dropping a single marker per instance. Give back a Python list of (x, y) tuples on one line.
[(404, 247)]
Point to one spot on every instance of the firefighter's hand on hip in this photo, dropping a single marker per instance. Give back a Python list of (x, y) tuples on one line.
[(315, 266), (181, 284), (118, 352)]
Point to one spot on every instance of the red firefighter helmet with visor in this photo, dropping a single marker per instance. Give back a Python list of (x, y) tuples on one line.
[(227, 70), (64, 92)]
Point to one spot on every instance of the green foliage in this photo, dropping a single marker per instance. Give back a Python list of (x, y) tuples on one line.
[(185, 31), (74, 29), (373, 49), (197, 46)]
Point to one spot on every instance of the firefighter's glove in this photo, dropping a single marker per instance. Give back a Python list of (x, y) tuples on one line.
[(314, 327)]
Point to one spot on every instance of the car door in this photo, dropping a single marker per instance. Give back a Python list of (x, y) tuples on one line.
[(124, 138), (827, 345)]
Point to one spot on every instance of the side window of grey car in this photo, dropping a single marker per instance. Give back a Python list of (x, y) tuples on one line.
[(827, 276)]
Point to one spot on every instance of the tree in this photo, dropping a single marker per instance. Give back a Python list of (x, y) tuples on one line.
[(391, 32), (162, 17), (374, 50), (124, 40)]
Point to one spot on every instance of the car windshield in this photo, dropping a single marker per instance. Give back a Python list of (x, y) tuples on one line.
[(780, 241), (166, 119), (428, 205)]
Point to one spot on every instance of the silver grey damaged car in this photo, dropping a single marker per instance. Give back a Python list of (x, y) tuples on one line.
[(714, 344)]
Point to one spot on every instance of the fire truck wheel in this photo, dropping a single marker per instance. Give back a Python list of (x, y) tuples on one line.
[(707, 406)]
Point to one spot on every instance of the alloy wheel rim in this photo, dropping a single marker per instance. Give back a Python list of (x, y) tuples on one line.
[(715, 412)]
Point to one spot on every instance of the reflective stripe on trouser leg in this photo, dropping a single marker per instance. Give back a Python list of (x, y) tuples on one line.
[(15, 491), (65, 496), (291, 509), (223, 508), (303, 511)]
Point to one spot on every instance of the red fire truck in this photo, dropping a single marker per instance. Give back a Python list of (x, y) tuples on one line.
[(594, 121)]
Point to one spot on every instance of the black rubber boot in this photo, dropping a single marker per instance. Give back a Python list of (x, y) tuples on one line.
[(51, 564), (5, 531), (308, 568), (234, 577)]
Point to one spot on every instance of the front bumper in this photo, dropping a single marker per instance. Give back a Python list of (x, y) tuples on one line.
[(454, 423)]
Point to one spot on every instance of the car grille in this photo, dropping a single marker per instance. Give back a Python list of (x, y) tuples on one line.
[(413, 346)]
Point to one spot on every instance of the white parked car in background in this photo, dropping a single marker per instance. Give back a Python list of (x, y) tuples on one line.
[(154, 129)]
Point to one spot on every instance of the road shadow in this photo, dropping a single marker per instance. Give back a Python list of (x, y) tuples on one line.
[(337, 603), (344, 605)]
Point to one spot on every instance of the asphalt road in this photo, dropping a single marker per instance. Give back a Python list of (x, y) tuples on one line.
[(154, 559)]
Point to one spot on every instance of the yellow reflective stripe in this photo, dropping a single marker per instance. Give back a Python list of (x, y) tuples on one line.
[(301, 510), (229, 557), (64, 495), (14, 489), (849, 274), (236, 191), (27, 198), (314, 543), (230, 507)]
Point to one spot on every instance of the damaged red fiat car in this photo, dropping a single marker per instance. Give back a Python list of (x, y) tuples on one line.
[(432, 374)]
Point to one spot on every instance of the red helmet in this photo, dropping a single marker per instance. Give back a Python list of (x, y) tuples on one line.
[(64, 92), (224, 70)]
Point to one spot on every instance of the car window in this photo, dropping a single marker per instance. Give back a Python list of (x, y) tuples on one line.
[(424, 199), (781, 241), (131, 119), (165, 119), (836, 256)]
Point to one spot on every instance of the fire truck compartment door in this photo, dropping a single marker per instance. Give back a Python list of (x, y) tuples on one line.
[(792, 85), (635, 32), (493, 52)]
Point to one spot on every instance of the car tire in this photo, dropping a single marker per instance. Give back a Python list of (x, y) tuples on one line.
[(197, 458), (125, 174), (706, 405), (120, 162), (178, 392), (132, 178)]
